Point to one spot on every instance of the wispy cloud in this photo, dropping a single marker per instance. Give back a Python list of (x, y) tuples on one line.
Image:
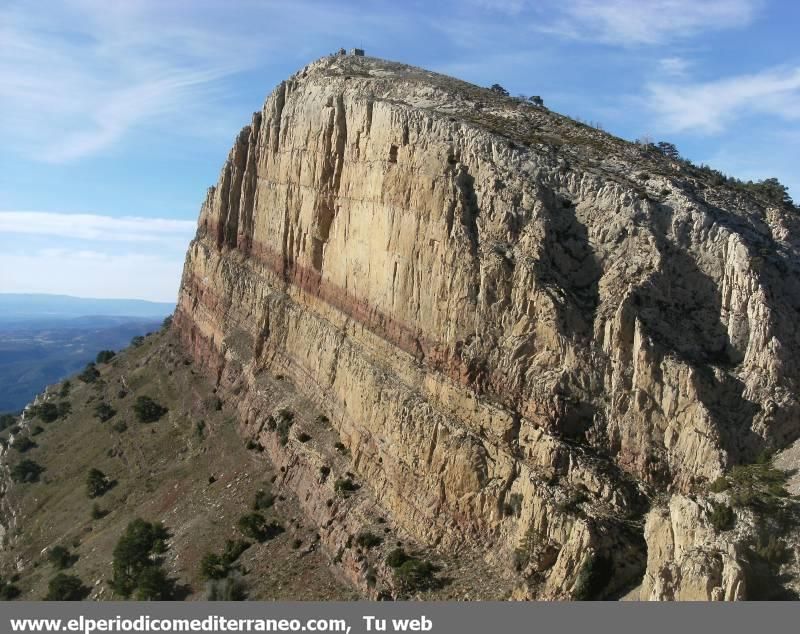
[(76, 78), (674, 66), (96, 227), (638, 22), (710, 107)]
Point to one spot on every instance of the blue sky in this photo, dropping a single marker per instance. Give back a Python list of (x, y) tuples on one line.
[(116, 116)]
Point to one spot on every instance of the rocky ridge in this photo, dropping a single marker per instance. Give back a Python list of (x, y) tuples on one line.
[(531, 343)]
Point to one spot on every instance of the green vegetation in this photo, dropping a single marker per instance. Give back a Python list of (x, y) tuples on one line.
[(97, 483), (303, 437), (216, 567), (98, 513), (61, 558), (23, 444), (65, 587), (282, 424), (8, 591), (593, 578), (414, 575), (324, 471), (231, 588), (26, 471), (263, 500), (47, 411), (345, 486), (66, 386), (147, 410), (255, 526), (36, 430), (104, 356), (137, 341), (90, 374), (137, 566), (396, 558), (104, 412), (368, 540), (722, 517)]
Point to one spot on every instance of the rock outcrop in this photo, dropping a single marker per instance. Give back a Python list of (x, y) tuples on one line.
[(521, 329)]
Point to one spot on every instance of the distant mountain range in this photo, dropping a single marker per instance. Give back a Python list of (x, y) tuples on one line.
[(44, 338), (18, 306)]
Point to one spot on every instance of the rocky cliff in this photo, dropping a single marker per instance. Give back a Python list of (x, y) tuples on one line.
[(529, 343)]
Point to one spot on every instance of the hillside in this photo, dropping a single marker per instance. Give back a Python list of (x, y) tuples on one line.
[(163, 471)]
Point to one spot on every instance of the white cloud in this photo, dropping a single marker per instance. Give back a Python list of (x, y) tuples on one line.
[(712, 106), (96, 227), (77, 78), (674, 66), (645, 22), (92, 274)]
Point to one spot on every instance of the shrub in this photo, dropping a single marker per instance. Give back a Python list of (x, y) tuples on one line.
[(23, 444), (338, 446), (252, 445), (98, 513), (282, 424), (89, 374), (120, 426), (773, 551), (592, 578), (234, 549), (255, 526), (296, 544), (104, 412), (65, 587), (497, 88), (263, 500), (303, 437), (719, 485), (26, 471), (397, 558), (97, 483), (136, 552), (66, 386), (137, 341), (104, 356), (324, 471), (8, 591), (345, 486), (231, 588), (153, 584), (368, 540), (167, 322), (64, 409), (415, 574), (47, 411), (61, 558), (212, 566), (36, 430), (722, 517), (147, 410)]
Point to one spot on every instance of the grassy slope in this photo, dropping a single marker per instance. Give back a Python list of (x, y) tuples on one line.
[(162, 471)]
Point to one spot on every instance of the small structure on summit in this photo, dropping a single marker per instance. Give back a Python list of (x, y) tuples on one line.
[(358, 52)]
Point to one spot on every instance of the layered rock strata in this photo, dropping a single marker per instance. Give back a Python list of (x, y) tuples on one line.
[(520, 328)]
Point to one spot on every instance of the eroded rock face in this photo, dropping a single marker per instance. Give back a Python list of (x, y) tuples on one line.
[(519, 327)]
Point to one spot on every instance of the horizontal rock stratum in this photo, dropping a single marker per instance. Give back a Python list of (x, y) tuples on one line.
[(538, 343)]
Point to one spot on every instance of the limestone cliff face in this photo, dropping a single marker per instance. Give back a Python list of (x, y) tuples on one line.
[(520, 327)]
